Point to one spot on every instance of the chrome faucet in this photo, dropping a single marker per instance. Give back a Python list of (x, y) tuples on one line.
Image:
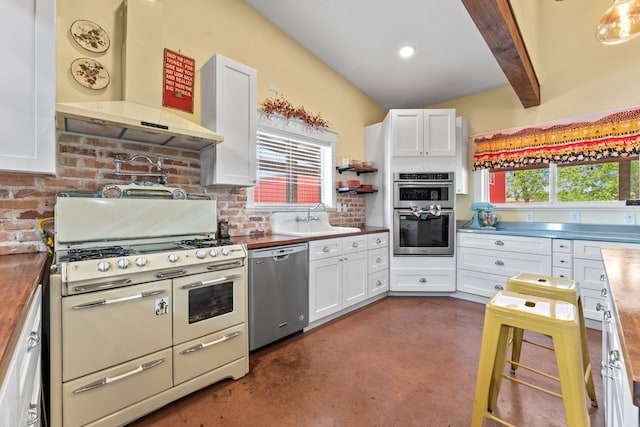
[(310, 217)]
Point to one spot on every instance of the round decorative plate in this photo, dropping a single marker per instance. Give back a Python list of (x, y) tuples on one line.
[(90, 35), (90, 73)]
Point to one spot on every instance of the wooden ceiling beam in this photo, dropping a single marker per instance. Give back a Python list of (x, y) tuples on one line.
[(498, 26)]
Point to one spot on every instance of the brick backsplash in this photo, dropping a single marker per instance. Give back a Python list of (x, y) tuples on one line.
[(86, 163)]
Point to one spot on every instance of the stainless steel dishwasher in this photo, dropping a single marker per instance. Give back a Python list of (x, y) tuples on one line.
[(278, 293)]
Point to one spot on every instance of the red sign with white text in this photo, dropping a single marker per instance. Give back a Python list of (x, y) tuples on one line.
[(179, 72)]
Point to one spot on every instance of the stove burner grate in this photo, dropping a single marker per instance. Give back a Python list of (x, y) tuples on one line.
[(87, 254), (203, 243)]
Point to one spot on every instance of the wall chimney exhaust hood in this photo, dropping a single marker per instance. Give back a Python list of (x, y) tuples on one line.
[(139, 117)]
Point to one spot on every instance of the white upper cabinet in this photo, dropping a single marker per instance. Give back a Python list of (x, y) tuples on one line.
[(423, 132), (27, 108), (228, 107)]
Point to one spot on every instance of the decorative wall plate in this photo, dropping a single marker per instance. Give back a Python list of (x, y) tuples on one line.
[(90, 73), (90, 35)]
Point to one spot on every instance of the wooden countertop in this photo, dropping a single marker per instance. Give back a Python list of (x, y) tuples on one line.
[(270, 240), (20, 275), (623, 274)]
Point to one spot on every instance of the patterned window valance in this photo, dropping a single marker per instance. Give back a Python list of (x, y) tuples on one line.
[(615, 135)]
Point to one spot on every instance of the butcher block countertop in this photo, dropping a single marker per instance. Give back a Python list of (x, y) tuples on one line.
[(270, 240), (623, 274), (19, 277)]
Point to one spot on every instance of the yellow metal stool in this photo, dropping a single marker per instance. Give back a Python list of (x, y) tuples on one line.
[(554, 318), (555, 288)]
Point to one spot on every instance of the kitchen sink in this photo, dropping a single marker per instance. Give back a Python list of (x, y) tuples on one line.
[(303, 224)]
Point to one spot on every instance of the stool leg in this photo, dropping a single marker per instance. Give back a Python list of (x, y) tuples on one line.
[(586, 360), (571, 375), (516, 347), (488, 353), (498, 366)]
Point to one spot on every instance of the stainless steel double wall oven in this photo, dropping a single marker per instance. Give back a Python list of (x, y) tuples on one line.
[(423, 213)]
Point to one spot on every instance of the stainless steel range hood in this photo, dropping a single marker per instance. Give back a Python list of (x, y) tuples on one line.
[(139, 117)]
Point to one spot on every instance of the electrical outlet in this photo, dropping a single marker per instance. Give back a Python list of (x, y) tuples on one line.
[(528, 216), (574, 217), (630, 218), (339, 207)]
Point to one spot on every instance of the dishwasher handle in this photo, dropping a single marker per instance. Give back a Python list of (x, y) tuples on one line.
[(279, 253)]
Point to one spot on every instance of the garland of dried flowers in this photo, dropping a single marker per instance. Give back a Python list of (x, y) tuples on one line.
[(284, 107)]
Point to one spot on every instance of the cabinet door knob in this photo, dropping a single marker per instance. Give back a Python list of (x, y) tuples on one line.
[(378, 240), (499, 243), (499, 262), (423, 280), (354, 245), (499, 287), (599, 307), (378, 260), (614, 358), (603, 292), (562, 261), (378, 283), (325, 249), (34, 340), (602, 277)]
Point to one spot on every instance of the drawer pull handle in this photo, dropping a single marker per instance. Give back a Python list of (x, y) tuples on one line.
[(499, 287), (354, 245), (378, 260), (171, 273), (201, 346), (562, 261), (602, 277), (562, 276), (34, 340), (614, 358), (378, 240), (499, 262), (378, 283), (108, 380), (33, 415), (423, 280), (117, 300), (599, 307), (325, 249), (603, 292), (499, 243)]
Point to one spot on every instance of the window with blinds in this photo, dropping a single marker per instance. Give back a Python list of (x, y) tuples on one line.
[(292, 170)]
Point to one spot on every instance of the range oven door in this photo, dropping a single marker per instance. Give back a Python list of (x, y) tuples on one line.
[(424, 234), (208, 302)]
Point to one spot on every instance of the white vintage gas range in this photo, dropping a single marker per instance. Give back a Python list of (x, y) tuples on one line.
[(145, 304)]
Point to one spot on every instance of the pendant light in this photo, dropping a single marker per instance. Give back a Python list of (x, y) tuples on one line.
[(620, 23)]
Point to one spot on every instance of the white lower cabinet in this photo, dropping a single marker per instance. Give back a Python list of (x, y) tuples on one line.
[(21, 389), (619, 409), (486, 261), (588, 270), (344, 273)]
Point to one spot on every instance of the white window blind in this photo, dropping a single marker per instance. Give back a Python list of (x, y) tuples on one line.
[(292, 170)]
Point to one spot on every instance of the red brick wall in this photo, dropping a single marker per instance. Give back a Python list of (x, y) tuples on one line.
[(87, 164)]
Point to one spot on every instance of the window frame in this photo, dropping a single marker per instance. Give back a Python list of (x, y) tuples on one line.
[(297, 130), (481, 193)]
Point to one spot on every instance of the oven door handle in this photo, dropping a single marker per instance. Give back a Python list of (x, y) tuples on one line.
[(108, 380), (201, 346), (209, 282), (117, 300)]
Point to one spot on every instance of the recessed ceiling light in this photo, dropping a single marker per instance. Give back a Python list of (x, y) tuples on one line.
[(407, 51)]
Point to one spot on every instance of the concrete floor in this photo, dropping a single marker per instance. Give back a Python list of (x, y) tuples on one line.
[(402, 361)]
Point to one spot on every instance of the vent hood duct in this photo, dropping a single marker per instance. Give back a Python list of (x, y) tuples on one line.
[(139, 117)]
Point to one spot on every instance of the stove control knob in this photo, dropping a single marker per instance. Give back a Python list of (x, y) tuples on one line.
[(224, 251), (213, 252), (172, 257), (200, 254), (141, 262), (103, 266), (123, 263)]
